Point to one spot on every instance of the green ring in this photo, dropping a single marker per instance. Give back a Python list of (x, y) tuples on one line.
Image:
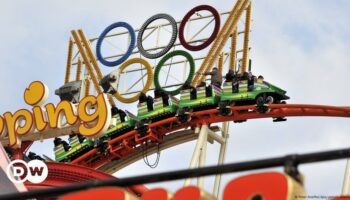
[(161, 63)]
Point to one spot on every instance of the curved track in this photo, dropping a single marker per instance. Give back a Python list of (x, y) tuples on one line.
[(122, 149), (63, 174)]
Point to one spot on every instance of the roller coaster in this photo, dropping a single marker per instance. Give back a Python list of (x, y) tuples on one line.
[(189, 112)]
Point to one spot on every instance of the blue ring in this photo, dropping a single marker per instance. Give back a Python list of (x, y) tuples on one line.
[(128, 52)]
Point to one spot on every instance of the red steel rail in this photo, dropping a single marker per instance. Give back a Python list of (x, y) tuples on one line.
[(125, 145)]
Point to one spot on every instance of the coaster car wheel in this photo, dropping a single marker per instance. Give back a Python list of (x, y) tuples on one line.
[(269, 100), (142, 128), (261, 107), (183, 115), (224, 108)]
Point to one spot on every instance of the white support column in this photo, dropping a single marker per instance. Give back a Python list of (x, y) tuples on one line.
[(346, 183), (202, 138), (202, 158), (216, 137), (225, 127)]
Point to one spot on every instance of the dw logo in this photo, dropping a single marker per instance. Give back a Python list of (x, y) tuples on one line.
[(35, 171)]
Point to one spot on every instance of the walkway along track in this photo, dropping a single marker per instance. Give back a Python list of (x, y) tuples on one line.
[(129, 144)]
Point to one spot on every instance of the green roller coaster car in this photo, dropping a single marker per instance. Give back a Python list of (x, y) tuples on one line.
[(120, 126), (262, 89), (76, 148), (203, 99), (160, 109), (81, 145)]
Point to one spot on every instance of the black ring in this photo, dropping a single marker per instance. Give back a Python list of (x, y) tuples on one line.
[(172, 39)]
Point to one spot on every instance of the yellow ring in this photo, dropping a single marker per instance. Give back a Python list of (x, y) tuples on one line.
[(148, 82)]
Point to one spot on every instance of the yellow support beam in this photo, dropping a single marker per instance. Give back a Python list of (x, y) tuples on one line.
[(86, 61), (226, 36), (221, 40), (90, 54), (77, 77), (221, 63), (246, 39), (69, 61), (87, 87), (92, 57), (216, 43), (233, 49)]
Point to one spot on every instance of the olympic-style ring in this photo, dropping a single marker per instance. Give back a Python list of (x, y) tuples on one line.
[(148, 82), (187, 18), (172, 39), (128, 52), (164, 51), (161, 63)]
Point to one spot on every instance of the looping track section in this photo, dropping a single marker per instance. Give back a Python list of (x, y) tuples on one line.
[(166, 132)]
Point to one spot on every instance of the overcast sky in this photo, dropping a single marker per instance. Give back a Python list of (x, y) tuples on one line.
[(300, 45)]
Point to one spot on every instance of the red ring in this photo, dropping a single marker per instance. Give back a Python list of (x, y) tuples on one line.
[(213, 35)]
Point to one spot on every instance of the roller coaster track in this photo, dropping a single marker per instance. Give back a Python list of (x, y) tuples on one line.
[(61, 174), (125, 149)]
